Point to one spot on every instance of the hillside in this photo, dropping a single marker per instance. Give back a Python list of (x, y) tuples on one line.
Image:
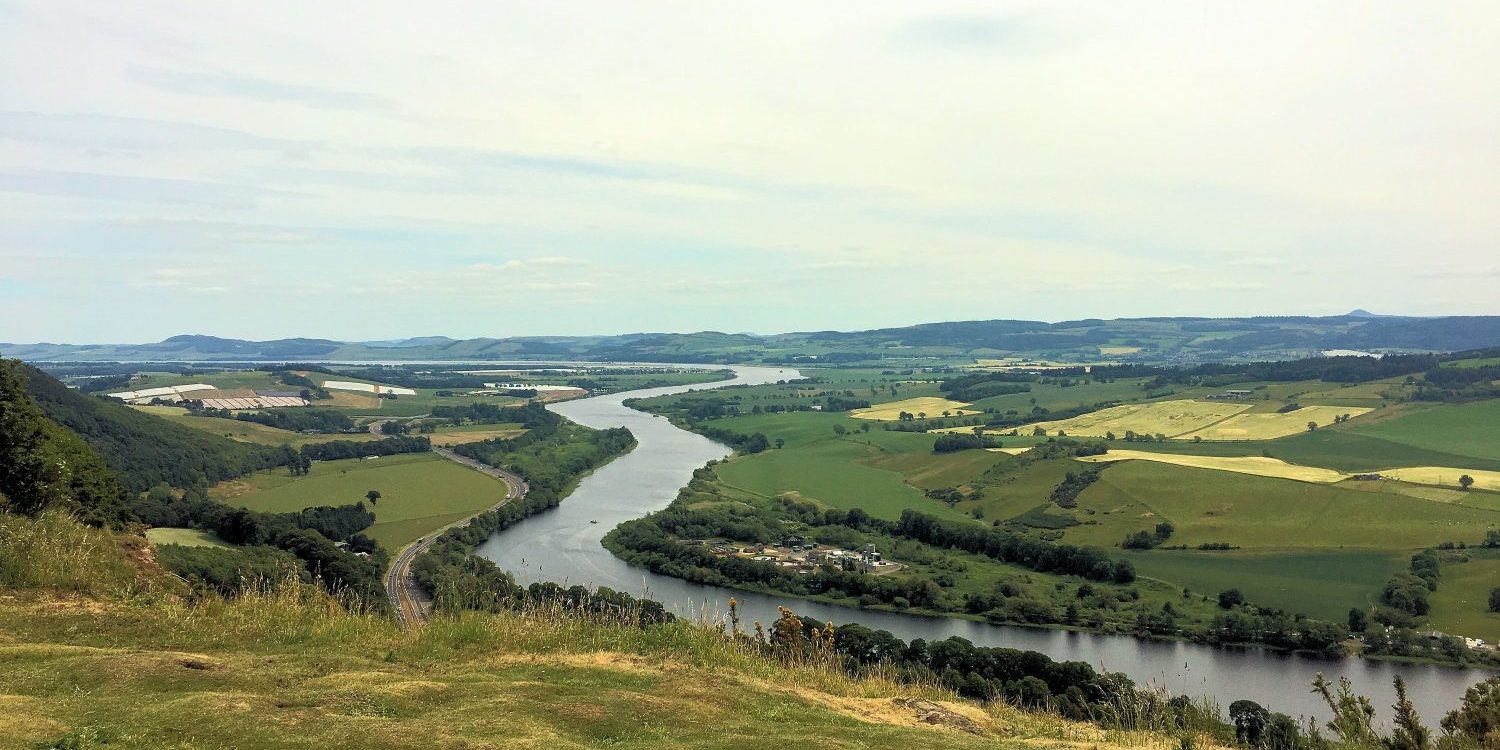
[(1178, 340), (145, 450), (101, 651)]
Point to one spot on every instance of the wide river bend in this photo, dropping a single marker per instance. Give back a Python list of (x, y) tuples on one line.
[(562, 545)]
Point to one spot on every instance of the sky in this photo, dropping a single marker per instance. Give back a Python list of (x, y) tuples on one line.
[(377, 169)]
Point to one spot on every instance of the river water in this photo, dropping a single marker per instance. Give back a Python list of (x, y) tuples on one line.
[(562, 545)]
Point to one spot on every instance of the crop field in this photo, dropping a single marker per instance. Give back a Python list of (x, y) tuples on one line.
[(1461, 603), (932, 406), (247, 432), (1271, 425), (471, 433), (1171, 418), (185, 537), (420, 492), (1446, 476), (1471, 429), (1209, 506), (1319, 583), (1256, 465)]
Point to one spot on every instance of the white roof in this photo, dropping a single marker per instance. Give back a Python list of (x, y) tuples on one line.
[(170, 390)]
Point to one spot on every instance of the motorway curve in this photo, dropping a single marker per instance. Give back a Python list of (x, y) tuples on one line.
[(409, 601)]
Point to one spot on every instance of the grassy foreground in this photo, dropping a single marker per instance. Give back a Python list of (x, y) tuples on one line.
[(99, 651)]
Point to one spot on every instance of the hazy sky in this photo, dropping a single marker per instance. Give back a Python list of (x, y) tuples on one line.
[(381, 169)]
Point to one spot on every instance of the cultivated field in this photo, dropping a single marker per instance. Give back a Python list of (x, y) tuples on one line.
[(932, 406), (420, 492), (1256, 465), (1171, 418), (1445, 476), (1271, 425), (471, 433)]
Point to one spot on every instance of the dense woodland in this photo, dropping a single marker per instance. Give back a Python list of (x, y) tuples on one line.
[(142, 450)]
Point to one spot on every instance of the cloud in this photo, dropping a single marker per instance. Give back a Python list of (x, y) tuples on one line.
[(221, 84), (155, 190), (106, 131), (960, 32)]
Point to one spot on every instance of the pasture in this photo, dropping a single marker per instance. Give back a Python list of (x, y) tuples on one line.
[(1319, 583), (1461, 603), (420, 493), (247, 432), (932, 406), (1471, 429), (185, 537), (1209, 506)]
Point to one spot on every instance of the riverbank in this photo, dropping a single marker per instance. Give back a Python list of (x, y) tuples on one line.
[(563, 545)]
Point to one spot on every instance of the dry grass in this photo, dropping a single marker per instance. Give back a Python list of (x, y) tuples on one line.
[(1256, 465), (1445, 476), (289, 667), (1171, 418), (1270, 425)]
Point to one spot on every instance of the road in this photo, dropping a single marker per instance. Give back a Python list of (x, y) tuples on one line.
[(408, 599)]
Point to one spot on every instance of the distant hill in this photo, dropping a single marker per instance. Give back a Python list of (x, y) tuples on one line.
[(1153, 340)]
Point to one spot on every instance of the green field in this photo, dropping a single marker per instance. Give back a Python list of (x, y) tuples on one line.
[(185, 537), (1322, 584), (1471, 430), (1208, 506), (420, 493), (852, 471), (1461, 603)]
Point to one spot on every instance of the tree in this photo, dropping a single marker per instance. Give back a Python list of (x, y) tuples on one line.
[(1230, 599), (1409, 733), (838, 429), (373, 496), (1312, 426), (1495, 600), (1358, 620), (1250, 720), (780, 442), (1477, 719), (1465, 481)]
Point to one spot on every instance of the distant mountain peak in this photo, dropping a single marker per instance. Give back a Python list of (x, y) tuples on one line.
[(1360, 312)]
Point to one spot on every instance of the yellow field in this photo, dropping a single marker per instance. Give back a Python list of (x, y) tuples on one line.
[(932, 406), (1170, 418), (1257, 465), (1436, 476), (1445, 476), (1115, 351), (1269, 425)]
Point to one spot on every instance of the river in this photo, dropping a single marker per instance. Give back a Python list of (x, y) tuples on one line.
[(562, 545)]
